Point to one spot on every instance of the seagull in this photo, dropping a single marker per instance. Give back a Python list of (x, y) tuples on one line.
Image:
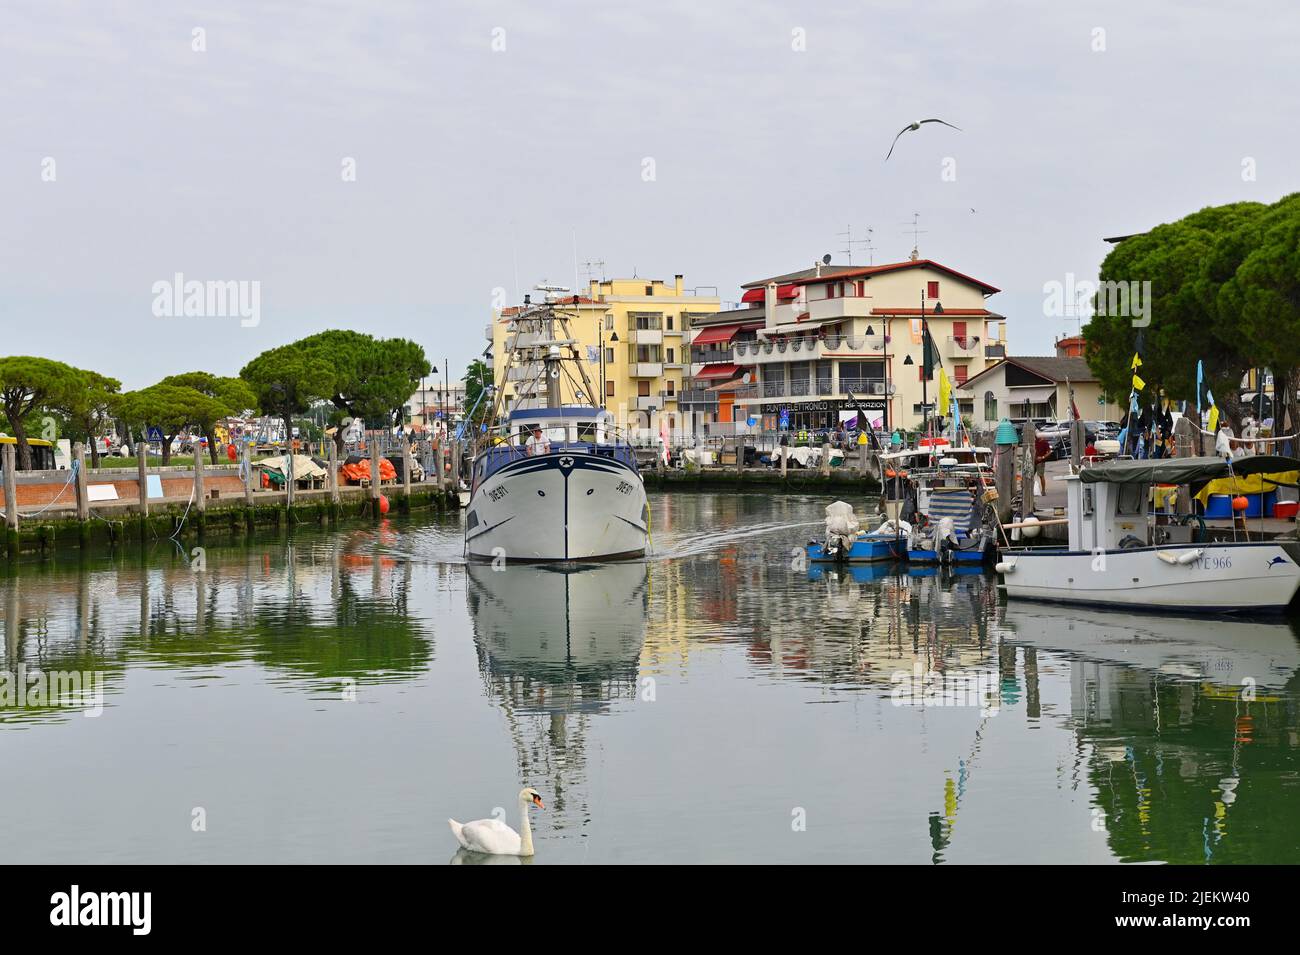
[(914, 126)]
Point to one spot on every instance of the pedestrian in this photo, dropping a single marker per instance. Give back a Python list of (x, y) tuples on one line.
[(1042, 451)]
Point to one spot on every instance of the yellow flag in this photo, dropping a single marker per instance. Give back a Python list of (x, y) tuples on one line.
[(944, 389), (1138, 383), (1214, 420), (1137, 361)]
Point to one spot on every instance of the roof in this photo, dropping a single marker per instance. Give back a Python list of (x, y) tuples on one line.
[(808, 276), (1185, 470), (1048, 367)]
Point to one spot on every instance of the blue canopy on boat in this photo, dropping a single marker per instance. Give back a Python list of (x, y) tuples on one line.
[(569, 411)]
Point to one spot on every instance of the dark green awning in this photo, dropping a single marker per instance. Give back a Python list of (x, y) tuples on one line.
[(1185, 470)]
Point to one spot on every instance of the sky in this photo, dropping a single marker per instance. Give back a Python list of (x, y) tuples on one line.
[(398, 167)]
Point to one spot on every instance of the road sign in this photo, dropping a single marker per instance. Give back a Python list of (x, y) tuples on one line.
[(155, 434), (784, 418)]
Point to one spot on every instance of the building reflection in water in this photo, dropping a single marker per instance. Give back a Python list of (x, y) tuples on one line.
[(556, 646)]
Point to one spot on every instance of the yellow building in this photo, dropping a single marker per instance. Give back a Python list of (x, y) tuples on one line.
[(633, 334)]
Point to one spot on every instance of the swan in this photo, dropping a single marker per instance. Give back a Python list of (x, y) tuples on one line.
[(493, 836)]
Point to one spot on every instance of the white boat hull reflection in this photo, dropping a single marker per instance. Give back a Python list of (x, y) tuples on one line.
[(1225, 652)]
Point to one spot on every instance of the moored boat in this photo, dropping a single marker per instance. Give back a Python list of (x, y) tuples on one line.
[(1122, 554)]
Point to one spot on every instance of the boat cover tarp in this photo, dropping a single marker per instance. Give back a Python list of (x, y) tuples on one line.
[(303, 466), (1187, 470), (1248, 484)]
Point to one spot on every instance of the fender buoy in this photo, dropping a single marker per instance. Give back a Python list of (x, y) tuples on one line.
[(383, 504), (1240, 503), (1031, 530)]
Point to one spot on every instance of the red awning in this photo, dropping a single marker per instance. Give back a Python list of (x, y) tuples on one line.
[(716, 335), (722, 370), (782, 291)]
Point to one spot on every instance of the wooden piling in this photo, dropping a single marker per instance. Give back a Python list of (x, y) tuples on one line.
[(826, 459), (11, 487), (142, 476), (247, 458), (1078, 441), (200, 504), (374, 467), (406, 467), (332, 479), (1004, 478), (83, 493), (1027, 468)]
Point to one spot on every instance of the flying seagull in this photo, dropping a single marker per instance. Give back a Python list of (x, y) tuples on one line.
[(915, 126)]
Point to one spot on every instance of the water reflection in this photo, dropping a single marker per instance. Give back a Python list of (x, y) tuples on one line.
[(1188, 727), (555, 647), (324, 615)]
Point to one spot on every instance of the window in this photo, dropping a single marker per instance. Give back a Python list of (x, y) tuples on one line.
[(670, 323), (959, 333), (609, 322), (830, 290), (959, 373), (609, 389), (931, 289), (990, 406), (609, 356), (643, 389), (650, 290), (671, 359), (672, 386), (587, 431)]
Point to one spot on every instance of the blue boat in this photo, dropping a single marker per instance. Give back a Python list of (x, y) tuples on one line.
[(962, 544), (866, 549)]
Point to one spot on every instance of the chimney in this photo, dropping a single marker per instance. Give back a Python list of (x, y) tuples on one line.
[(677, 285), (595, 290), (817, 268)]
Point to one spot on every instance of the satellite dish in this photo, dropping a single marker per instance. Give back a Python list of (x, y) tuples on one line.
[(826, 259)]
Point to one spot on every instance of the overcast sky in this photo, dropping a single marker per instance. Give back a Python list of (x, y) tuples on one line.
[(477, 167)]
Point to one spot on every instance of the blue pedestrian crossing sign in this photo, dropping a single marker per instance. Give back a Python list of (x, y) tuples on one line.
[(155, 434), (785, 418)]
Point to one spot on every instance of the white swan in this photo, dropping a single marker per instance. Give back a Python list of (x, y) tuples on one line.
[(493, 836)]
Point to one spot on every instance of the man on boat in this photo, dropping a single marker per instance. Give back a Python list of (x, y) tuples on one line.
[(538, 443), (1042, 451)]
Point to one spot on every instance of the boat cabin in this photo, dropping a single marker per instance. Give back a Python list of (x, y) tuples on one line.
[(1109, 506), (576, 429)]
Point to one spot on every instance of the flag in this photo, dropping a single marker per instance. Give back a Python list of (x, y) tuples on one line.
[(1200, 385), (931, 354), (1074, 408), (944, 391), (1214, 419), (1138, 383)]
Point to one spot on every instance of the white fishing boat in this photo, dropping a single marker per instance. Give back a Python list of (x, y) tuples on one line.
[(1122, 554), (553, 481)]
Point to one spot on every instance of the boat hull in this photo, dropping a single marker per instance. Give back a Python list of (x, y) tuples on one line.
[(1222, 578), (862, 551), (567, 505)]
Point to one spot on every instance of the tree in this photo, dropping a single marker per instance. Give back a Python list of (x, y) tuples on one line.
[(28, 384), (90, 410), (1176, 260), (234, 395), (171, 408), (371, 379), (478, 393), (1261, 299), (286, 380)]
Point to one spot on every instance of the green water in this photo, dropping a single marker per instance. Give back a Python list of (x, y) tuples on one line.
[(336, 696)]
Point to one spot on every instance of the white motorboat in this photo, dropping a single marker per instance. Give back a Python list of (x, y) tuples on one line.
[(556, 481), (1121, 554)]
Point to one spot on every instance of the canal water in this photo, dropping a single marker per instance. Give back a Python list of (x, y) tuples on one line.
[(336, 696)]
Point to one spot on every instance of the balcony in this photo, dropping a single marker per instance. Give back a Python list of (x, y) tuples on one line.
[(834, 309), (645, 336), (868, 387), (963, 346), (708, 355), (646, 369), (995, 350), (667, 396), (697, 398), (648, 403)]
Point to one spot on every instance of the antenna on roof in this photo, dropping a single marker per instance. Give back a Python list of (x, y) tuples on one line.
[(917, 232), (851, 242)]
